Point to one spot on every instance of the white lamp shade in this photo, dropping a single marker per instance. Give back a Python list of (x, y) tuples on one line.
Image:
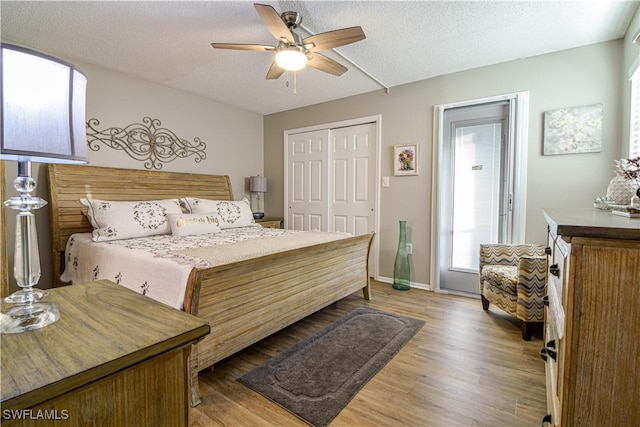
[(258, 184), (43, 108)]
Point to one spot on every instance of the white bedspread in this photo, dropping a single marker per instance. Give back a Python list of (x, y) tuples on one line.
[(159, 266)]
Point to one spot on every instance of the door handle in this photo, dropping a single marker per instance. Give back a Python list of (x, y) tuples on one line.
[(555, 270)]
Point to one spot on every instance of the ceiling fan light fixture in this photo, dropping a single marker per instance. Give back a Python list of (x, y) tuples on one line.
[(291, 58)]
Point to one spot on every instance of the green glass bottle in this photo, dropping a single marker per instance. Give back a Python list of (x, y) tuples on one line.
[(402, 268)]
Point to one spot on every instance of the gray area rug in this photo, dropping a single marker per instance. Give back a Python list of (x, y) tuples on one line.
[(316, 378)]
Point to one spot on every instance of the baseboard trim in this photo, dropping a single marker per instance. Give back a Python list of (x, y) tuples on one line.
[(415, 285)]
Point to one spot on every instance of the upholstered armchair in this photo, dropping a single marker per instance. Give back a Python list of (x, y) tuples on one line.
[(513, 277)]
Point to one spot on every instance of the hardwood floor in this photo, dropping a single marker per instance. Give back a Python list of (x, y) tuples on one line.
[(465, 367)]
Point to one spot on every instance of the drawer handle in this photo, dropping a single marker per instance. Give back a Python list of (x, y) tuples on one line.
[(549, 351), (545, 300), (547, 250), (546, 420), (555, 270)]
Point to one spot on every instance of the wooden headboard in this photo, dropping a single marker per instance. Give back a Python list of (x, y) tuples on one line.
[(69, 183)]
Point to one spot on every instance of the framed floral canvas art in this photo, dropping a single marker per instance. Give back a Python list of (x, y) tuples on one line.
[(573, 130), (405, 159)]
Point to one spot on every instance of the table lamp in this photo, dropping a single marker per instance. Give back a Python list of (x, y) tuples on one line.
[(257, 187), (42, 120)]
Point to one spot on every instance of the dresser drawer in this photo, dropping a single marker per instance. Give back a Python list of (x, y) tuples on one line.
[(553, 351), (557, 285), (552, 374)]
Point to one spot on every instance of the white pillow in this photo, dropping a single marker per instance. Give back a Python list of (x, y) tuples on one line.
[(232, 214), (189, 224), (113, 220)]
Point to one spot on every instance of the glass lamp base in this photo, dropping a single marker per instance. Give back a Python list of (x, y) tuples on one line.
[(24, 296), (22, 318)]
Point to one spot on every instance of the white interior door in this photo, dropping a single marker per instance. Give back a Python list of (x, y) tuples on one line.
[(308, 181), (353, 184)]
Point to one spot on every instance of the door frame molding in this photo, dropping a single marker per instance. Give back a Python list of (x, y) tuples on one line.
[(377, 121), (519, 130)]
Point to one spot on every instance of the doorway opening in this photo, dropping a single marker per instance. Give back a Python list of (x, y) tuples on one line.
[(480, 178)]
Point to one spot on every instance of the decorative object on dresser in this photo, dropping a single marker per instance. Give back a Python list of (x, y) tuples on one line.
[(629, 170), (85, 371), (317, 377), (620, 191), (43, 111), (257, 187), (592, 351), (146, 142), (244, 300), (513, 277)]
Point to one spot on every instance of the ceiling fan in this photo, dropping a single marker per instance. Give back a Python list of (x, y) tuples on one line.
[(292, 52)]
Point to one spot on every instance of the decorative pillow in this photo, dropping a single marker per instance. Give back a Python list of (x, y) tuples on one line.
[(232, 214), (189, 224), (114, 220)]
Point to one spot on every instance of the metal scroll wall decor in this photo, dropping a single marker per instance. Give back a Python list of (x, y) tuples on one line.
[(146, 142)]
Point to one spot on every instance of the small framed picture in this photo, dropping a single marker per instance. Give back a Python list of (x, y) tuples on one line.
[(405, 159)]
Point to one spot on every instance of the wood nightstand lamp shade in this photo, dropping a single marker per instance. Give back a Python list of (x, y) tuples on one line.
[(43, 115), (257, 187)]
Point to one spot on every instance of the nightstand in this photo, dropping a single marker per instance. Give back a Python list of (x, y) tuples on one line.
[(270, 222), (115, 357)]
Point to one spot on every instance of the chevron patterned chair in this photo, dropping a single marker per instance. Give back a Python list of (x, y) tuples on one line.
[(513, 277)]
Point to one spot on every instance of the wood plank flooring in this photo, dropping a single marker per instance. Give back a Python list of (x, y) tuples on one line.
[(465, 367)]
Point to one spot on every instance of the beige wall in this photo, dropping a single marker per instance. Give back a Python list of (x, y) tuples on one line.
[(233, 137), (569, 78)]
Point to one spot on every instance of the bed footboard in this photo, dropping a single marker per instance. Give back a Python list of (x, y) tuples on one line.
[(247, 301)]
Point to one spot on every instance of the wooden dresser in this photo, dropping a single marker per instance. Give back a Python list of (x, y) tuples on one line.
[(115, 358), (592, 321)]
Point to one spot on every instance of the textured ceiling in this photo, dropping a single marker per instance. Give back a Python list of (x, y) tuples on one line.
[(169, 42)]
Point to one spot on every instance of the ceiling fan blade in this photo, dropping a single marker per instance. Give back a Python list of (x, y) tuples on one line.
[(274, 71), (334, 38), (328, 65), (274, 22), (240, 46)]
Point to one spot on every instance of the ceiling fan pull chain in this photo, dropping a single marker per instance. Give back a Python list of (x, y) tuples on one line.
[(295, 82)]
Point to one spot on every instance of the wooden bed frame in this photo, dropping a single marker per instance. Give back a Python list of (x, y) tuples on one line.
[(243, 301)]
